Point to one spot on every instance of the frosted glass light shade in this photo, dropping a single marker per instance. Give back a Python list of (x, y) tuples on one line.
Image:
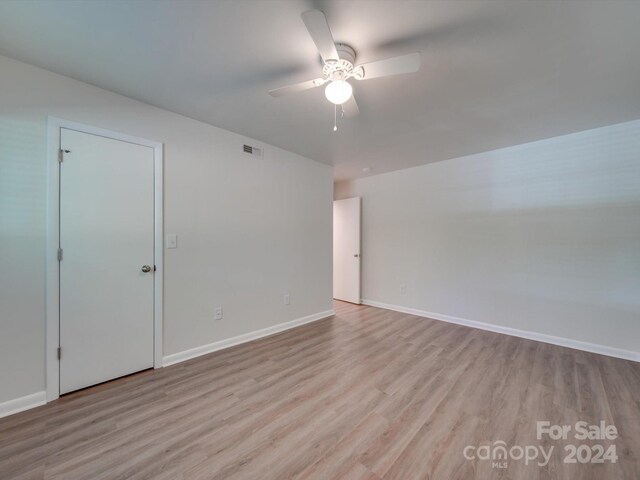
[(338, 92)]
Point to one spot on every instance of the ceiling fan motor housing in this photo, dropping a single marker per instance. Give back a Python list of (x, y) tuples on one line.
[(344, 64)]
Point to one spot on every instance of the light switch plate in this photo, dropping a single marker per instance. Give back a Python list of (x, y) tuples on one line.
[(172, 241)]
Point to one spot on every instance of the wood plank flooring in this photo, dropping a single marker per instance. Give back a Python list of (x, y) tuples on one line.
[(366, 394)]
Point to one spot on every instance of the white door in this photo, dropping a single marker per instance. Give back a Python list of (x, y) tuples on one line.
[(107, 242), (346, 250)]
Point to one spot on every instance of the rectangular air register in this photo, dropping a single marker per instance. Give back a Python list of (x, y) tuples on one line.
[(255, 151)]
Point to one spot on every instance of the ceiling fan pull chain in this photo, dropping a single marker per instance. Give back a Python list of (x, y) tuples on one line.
[(335, 117)]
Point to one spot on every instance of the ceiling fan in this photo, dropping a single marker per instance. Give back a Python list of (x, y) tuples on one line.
[(339, 66)]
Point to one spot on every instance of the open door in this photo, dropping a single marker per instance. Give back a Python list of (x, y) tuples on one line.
[(346, 250)]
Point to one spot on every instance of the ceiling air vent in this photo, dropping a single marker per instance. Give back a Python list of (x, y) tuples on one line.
[(255, 151)]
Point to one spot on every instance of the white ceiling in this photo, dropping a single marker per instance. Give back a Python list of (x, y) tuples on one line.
[(495, 73)]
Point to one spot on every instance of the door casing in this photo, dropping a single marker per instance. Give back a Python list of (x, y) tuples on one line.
[(52, 322)]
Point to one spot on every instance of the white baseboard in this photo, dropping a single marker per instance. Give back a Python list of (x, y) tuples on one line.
[(514, 332), (23, 403), (247, 337)]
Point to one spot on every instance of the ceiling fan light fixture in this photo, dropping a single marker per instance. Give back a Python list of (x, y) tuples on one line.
[(338, 91)]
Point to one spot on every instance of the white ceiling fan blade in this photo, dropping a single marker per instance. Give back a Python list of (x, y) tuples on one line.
[(296, 87), (318, 27), (350, 108), (391, 66)]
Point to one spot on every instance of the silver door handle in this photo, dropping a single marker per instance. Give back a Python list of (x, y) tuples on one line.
[(146, 268)]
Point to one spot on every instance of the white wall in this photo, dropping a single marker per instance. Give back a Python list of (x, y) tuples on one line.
[(250, 230), (542, 237)]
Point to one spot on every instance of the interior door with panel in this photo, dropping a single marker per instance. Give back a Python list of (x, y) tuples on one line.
[(346, 249), (106, 259)]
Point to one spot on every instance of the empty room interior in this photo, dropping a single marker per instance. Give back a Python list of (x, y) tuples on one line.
[(319, 239)]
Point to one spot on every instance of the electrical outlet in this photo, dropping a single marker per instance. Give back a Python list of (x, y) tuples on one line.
[(287, 299), (218, 313), (403, 288)]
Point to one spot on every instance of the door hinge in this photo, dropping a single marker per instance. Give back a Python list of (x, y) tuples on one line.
[(59, 353), (61, 153), (59, 254)]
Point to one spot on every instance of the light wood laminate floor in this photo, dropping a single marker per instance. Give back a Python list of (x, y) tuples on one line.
[(366, 394)]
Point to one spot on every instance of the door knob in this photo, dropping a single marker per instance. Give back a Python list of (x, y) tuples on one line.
[(356, 255), (146, 268)]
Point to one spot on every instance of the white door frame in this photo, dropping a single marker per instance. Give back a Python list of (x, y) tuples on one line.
[(52, 364)]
